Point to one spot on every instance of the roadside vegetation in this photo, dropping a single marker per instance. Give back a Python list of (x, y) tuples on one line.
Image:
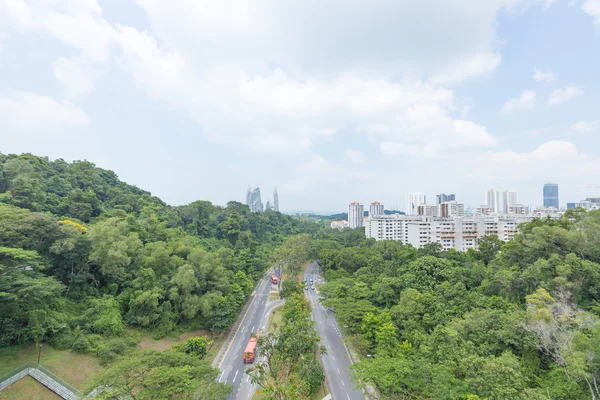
[(515, 320), (85, 257)]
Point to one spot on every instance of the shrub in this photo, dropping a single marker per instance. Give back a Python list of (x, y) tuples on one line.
[(81, 345)]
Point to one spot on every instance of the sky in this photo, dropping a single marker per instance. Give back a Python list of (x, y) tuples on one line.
[(331, 101)]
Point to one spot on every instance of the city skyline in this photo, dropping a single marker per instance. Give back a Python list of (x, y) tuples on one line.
[(495, 97)]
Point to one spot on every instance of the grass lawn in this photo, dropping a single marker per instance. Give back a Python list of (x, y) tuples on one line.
[(74, 368), (167, 342), (275, 318), (28, 388)]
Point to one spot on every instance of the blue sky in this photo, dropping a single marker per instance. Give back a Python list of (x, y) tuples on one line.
[(350, 101)]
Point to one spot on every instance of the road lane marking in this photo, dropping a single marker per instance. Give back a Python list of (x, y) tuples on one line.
[(333, 358), (347, 395), (236, 373), (343, 383), (241, 323), (220, 376), (337, 369)]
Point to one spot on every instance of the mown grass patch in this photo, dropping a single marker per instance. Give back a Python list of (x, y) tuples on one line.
[(167, 343), (74, 368), (28, 388)]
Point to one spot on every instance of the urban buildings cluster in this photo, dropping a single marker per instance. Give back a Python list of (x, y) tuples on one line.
[(253, 200), (447, 223)]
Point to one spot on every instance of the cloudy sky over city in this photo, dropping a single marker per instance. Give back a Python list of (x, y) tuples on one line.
[(332, 101)]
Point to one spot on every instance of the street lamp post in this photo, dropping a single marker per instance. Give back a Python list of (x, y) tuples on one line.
[(39, 352), (280, 274)]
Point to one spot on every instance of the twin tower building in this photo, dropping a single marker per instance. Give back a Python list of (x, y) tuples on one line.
[(254, 201)]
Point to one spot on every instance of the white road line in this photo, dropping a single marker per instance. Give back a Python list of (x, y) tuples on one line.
[(348, 396), (333, 358), (247, 378), (343, 383), (337, 369), (220, 376), (253, 328), (236, 373)]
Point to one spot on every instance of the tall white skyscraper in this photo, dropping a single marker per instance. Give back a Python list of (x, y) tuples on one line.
[(356, 213), (509, 199), (376, 208), (492, 200), (275, 199), (413, 201)]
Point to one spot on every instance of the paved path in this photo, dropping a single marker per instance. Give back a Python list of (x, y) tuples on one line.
[(336, 362)]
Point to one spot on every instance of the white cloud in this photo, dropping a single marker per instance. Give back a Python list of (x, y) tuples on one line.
[(560, 96), (526, 101), (76, 75), (592, 8), (585, 126), (27, 113), (477, 65), (356, 156), (560, 157), (544, 76)]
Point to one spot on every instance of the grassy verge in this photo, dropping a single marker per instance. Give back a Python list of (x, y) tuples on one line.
[(74, 368), (28, 388), (166, 343)]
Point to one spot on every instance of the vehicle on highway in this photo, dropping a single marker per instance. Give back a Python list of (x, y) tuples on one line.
[(250, 352), (304, 278), (305, 287), (274, 280), (313, 287), (311, 280)]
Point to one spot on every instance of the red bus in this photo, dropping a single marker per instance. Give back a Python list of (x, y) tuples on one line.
[(274, 280), (250, 351)]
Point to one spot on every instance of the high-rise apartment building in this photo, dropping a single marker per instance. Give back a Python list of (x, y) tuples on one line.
[(492, 200), (275, 199), (459, 233), (253, 200), (413, 201), (509, 199), (355, 215), (551, 195), (376, 208), (444, 198)]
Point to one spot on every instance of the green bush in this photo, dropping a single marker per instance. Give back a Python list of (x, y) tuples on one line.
[(81, 345), (62, 341)]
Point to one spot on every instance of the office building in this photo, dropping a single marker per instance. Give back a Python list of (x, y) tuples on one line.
[(509, 198), (413, 201), (376, 208), (551, 195), (355, 215), (492, 200), (444, 198)]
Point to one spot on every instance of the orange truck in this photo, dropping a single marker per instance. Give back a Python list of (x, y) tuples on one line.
[(250, 352), (274, 280)]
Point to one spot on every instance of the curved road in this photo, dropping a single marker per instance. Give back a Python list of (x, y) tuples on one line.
[(256, 317), (336, 362)]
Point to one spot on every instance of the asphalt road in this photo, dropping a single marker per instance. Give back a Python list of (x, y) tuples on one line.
[(336, 362), (233, 369)]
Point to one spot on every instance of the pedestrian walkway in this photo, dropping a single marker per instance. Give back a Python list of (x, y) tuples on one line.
[(43, 376)]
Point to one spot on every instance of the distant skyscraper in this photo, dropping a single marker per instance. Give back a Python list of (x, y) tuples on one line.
[(253, 200), (443, 198), (355, 215), (376, 208), (551, 195), (268, 205), (492, 200), (509, 199), (275, 199), (413, 201)]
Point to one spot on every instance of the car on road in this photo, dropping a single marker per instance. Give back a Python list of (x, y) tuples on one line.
[(312, 287), (305, 287), (304, 278)]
